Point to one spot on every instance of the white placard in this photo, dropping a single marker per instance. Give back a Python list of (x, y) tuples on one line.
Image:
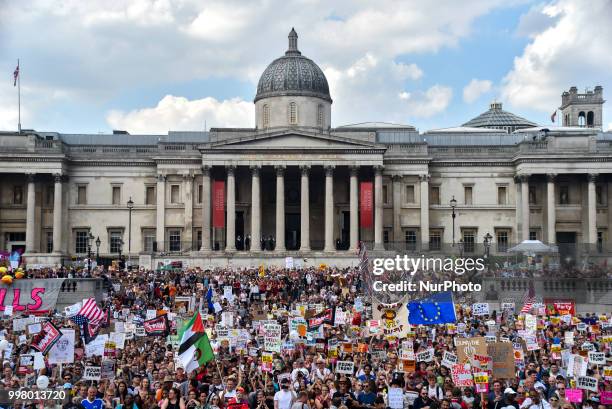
[(151, 314), (118, 338), (96, 347), (569, 338), (576, 366), (92, 373), (345, 367), (288, 262), (396, 398), (597, 358), (425, 356), (8, 310), (480, 308), (587, 382), (34, 328), (449, 359)]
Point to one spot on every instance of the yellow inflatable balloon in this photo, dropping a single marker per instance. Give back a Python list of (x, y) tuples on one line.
[(7, 279), (3, 270), (19, 274)]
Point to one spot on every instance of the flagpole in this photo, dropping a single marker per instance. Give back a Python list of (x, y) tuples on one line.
[(18, 97)]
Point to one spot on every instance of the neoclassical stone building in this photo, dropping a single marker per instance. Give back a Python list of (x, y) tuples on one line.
[(292, 185)]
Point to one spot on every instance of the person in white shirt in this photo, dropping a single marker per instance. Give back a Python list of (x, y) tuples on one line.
[(321, 371), (284, 398), (535, 401), (299, 368)]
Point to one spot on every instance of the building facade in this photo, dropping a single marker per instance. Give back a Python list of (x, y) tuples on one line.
[(292, 184)]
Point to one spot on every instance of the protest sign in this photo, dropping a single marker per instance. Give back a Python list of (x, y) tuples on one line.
[(63, 350), (395, 397), (393, 319), (107, 370), (467, 347), (587, 382), (597, 358), (425, 356), (606, 397), (157, 327), (481, 308), (449, 360), (92, 373), (607, 371), (272, 337), (31, 295), (481, 379), (345, 367), (574, 395), (502, 356), (462, 376), (576, 366), (46, 338)]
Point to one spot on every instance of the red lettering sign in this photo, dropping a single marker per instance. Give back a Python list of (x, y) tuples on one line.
[(366, 203), (24, 305), (218, 203)]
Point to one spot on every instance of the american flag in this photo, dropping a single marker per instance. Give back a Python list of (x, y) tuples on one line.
[(528, 299), (15, 75), (91, 311)]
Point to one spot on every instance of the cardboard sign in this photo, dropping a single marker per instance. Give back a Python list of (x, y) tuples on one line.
[(405, 365), (587, 382), (574, 395), (462, 376), (468, 347), (345, 367), (449, 360), (502, 357), (92, 373), (597, 358), (481, 308)]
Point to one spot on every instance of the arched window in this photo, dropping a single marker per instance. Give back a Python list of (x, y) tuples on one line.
[(266, 116), (589, 120), (292, 113), (320, 116), (581, 119)]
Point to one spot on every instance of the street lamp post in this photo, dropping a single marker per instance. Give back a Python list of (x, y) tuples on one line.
[(98, 242), (453, 204), (487, 247), (89, 239), (130, 206)]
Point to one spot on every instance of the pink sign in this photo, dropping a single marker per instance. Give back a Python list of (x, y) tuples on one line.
[(606, 397), (574, 395)]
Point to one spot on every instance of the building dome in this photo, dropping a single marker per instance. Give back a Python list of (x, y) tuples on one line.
[(497, 118), (293, 75)]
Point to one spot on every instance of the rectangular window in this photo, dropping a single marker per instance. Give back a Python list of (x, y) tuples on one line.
[(502, 195), (116, 195), (198, 243), (434, 195), (435, 240), (599, 195), (49, 241), (532, 195), (148, 237), (16, 236), (81, 238), (174, 194), (199, 194), (600, 241), (564, 198), (174, 240), (49, 195), (410, 194), (469, 242), (410, 239), (150, 195), (533, 235), (18, 195), (467, 194), (81, 194), (502, 241), (385, 198), (116, 241)]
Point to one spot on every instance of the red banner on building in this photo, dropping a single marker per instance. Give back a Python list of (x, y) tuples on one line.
[(560, 306), (218, 198), (366, 204)]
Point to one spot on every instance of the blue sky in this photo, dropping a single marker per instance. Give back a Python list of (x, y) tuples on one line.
[(150, 66)]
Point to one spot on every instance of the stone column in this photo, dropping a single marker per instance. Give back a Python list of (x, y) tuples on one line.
[(57, 213), (329, 209), (305, 210), (518, 203), (255, 209), (280, 209), (31, 246), (354, 208), (424, 212), (188, 203), (397, 209), (525, 206), (378, 209), (206, 207), (230, 229), (551, 208), (160, 229), (592, 211)]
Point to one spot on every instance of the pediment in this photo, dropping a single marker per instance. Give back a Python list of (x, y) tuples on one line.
[(292, 141)]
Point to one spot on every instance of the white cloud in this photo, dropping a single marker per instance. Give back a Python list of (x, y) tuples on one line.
[(429, 103), (572, 51), (610, 127), (99, 49), (476, 87), (180, 114)]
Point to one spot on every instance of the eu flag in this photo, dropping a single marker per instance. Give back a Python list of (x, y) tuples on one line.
[(438, 308)]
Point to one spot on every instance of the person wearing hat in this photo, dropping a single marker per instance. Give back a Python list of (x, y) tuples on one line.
[(510, 399), (535, 401)]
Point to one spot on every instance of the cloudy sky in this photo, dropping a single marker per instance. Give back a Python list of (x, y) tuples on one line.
[(149, 66)]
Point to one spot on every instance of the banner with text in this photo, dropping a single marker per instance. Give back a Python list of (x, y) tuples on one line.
[(366, 204), (219, 203)]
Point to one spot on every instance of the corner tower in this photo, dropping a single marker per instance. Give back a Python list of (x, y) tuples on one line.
[(582, 109)]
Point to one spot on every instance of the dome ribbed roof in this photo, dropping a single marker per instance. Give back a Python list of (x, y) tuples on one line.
[(496, 117), (293, 74)]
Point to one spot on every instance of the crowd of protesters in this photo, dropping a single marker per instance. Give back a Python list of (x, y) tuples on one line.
[(304, 374)]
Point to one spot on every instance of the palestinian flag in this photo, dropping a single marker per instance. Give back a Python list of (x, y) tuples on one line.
[(194, 349)]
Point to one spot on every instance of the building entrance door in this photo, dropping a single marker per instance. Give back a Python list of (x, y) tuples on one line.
[(566, 242), (292, 231)]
